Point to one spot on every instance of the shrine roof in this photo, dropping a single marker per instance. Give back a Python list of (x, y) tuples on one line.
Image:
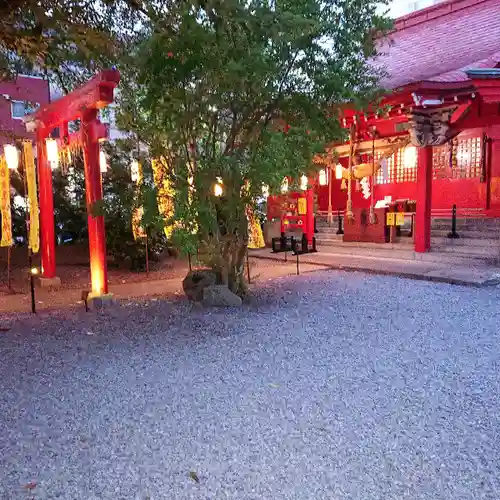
[(441, 42)]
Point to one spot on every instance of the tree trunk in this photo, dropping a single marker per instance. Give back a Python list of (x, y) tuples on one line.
[(237, 280)]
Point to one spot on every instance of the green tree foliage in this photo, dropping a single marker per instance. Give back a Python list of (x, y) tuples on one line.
[(66, 39), (247, 91), (120, 198)]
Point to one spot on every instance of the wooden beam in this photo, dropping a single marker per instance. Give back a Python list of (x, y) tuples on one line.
[(95, 94), (364, 147)]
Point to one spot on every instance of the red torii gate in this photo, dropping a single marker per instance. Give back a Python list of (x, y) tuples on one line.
[(82, 104)]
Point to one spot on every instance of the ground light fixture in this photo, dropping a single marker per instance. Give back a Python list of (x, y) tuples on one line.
[(33, 273)]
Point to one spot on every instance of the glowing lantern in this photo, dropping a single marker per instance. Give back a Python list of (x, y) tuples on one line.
[(284, 185), (11, 156), (338, 171), (52, 153), (103, 162), (218, 190), (323, 180), (134, 171), (265, 191), (303, 182), (410, 157)]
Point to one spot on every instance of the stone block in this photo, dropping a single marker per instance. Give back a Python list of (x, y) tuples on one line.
[(100, 302), (196, 281), (220, 296)]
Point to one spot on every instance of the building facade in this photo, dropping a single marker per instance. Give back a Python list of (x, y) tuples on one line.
[(434, 141), (19, 98)]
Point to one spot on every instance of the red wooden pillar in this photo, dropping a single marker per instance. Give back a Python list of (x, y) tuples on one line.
[(424, 195), (91, 130), (310, 215), (47, 231)]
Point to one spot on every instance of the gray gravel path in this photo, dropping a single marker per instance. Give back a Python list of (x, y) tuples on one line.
[(327, 386)]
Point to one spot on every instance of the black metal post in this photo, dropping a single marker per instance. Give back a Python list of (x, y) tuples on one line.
[(9, 273), (314, 244), (248, 269), (32, 285), (315, 225), (297, 254), (304, 244), (339, 230), (85, 298), (453, 233), (282, 241), (189, 262)]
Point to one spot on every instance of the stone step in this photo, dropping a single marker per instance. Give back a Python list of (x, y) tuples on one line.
[(485, 251), (488, 244), (337, 241), (456, 259), (465, 234), (481, 224), (465, 241), (409, 255), (380, 251)]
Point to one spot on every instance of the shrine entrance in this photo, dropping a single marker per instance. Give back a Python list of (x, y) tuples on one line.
[(83, 105)]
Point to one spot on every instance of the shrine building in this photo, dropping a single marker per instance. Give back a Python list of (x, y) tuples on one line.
[(431, 149)]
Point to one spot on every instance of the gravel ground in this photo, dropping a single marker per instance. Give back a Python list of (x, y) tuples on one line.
[(326, 386)]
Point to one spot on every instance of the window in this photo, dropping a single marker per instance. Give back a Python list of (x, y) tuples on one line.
[(401, 167), (388, 178), (22, 108)]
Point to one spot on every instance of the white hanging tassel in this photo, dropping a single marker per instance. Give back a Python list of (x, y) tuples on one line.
[(365, 187), (385, 169)]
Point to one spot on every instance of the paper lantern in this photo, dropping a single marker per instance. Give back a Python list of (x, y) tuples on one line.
[(323, 179), (134, 170), (103, 162), (218, 189), (284, 185), (410, 157), (265, 191), (52, 153), (303, 182), (338, 171), (11, 156)]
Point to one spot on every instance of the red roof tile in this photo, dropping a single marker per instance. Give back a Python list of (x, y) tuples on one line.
[(440, 42)]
